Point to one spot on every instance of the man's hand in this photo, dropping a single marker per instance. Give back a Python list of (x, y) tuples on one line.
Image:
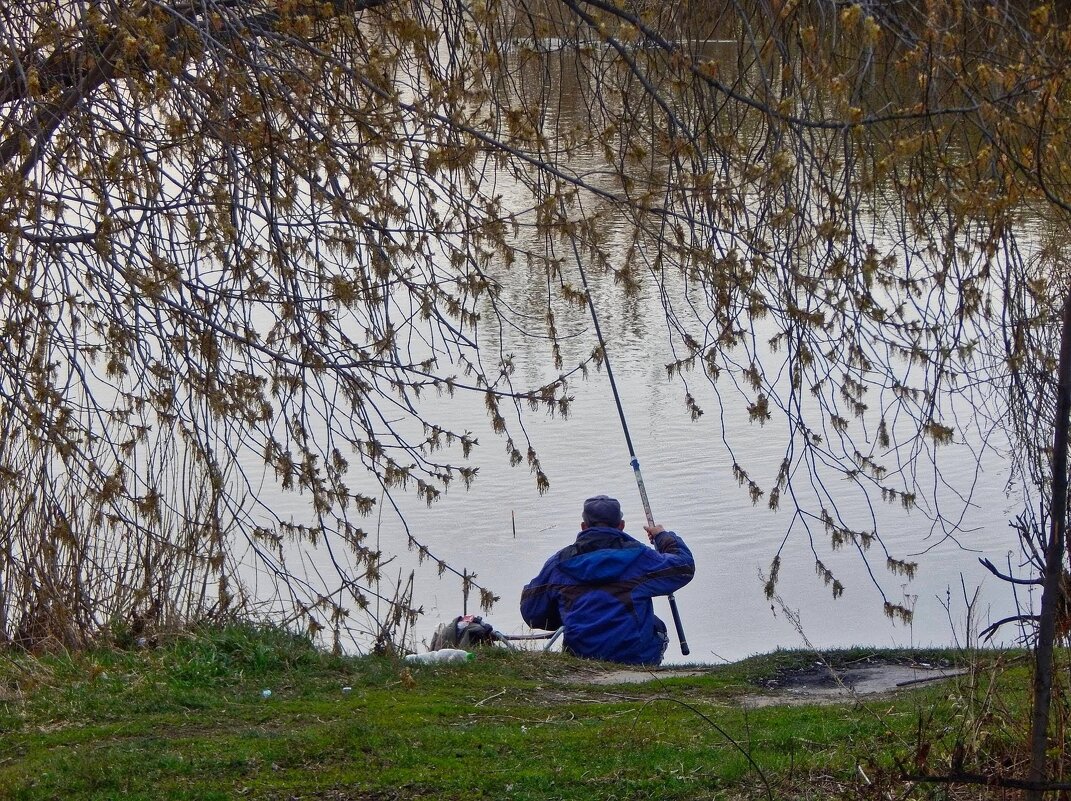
[(653, 531)]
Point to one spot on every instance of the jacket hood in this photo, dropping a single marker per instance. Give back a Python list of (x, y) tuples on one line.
[(600, 554)]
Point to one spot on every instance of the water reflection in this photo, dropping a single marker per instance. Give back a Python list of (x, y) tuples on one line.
[(503, 529), (692, 490)]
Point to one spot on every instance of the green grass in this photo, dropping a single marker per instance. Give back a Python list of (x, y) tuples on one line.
[(187, 720)]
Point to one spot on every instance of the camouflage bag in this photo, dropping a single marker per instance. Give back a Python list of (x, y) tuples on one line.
[(465, 632)]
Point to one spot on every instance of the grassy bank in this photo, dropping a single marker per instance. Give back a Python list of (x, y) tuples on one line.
[(189, 719)]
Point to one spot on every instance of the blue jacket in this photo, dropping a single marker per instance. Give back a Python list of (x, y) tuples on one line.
[(600, 589)]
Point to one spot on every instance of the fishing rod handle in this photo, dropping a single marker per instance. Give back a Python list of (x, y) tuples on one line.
[(650, 521), (678, 625)]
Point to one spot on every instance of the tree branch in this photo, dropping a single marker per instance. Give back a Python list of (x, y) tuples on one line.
[(1011, 579), (988, 632), (77, 72)]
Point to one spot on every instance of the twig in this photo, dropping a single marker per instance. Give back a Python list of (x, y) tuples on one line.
[(909, 682), (491, 698), (728, 738)]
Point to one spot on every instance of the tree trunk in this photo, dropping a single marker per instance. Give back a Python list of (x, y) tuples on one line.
[(1054, 567)]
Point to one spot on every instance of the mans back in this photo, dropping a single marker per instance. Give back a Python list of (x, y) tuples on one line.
[(600, 589)]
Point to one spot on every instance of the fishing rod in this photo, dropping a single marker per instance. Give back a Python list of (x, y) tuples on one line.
[(631, 450)]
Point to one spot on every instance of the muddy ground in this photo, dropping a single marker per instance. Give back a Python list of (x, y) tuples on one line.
[(816, 683)]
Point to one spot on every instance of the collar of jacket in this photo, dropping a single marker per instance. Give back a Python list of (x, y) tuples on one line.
[(599, 538)]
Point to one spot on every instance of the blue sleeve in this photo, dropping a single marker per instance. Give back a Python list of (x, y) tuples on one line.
[(539, 601), (670, 566)]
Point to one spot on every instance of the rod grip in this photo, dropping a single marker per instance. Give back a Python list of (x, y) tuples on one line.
[(678, 625)]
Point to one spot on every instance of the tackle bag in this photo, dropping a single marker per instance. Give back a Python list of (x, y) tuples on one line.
[(465, 631)]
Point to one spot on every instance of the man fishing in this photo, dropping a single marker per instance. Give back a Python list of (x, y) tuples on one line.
[(600, 588)]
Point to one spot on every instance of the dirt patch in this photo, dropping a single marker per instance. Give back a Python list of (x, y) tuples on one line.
[(815, 684), (595, 673), (823, 683), (638, 676)]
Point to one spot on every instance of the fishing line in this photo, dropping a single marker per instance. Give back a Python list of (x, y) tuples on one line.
[(628, 439)]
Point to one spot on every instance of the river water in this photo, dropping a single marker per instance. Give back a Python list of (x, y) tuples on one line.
[(503, 528)]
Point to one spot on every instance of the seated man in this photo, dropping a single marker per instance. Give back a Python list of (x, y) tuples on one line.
[(600, 588)]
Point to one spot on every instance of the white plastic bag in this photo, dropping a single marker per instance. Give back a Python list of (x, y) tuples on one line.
[(442, 656)]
